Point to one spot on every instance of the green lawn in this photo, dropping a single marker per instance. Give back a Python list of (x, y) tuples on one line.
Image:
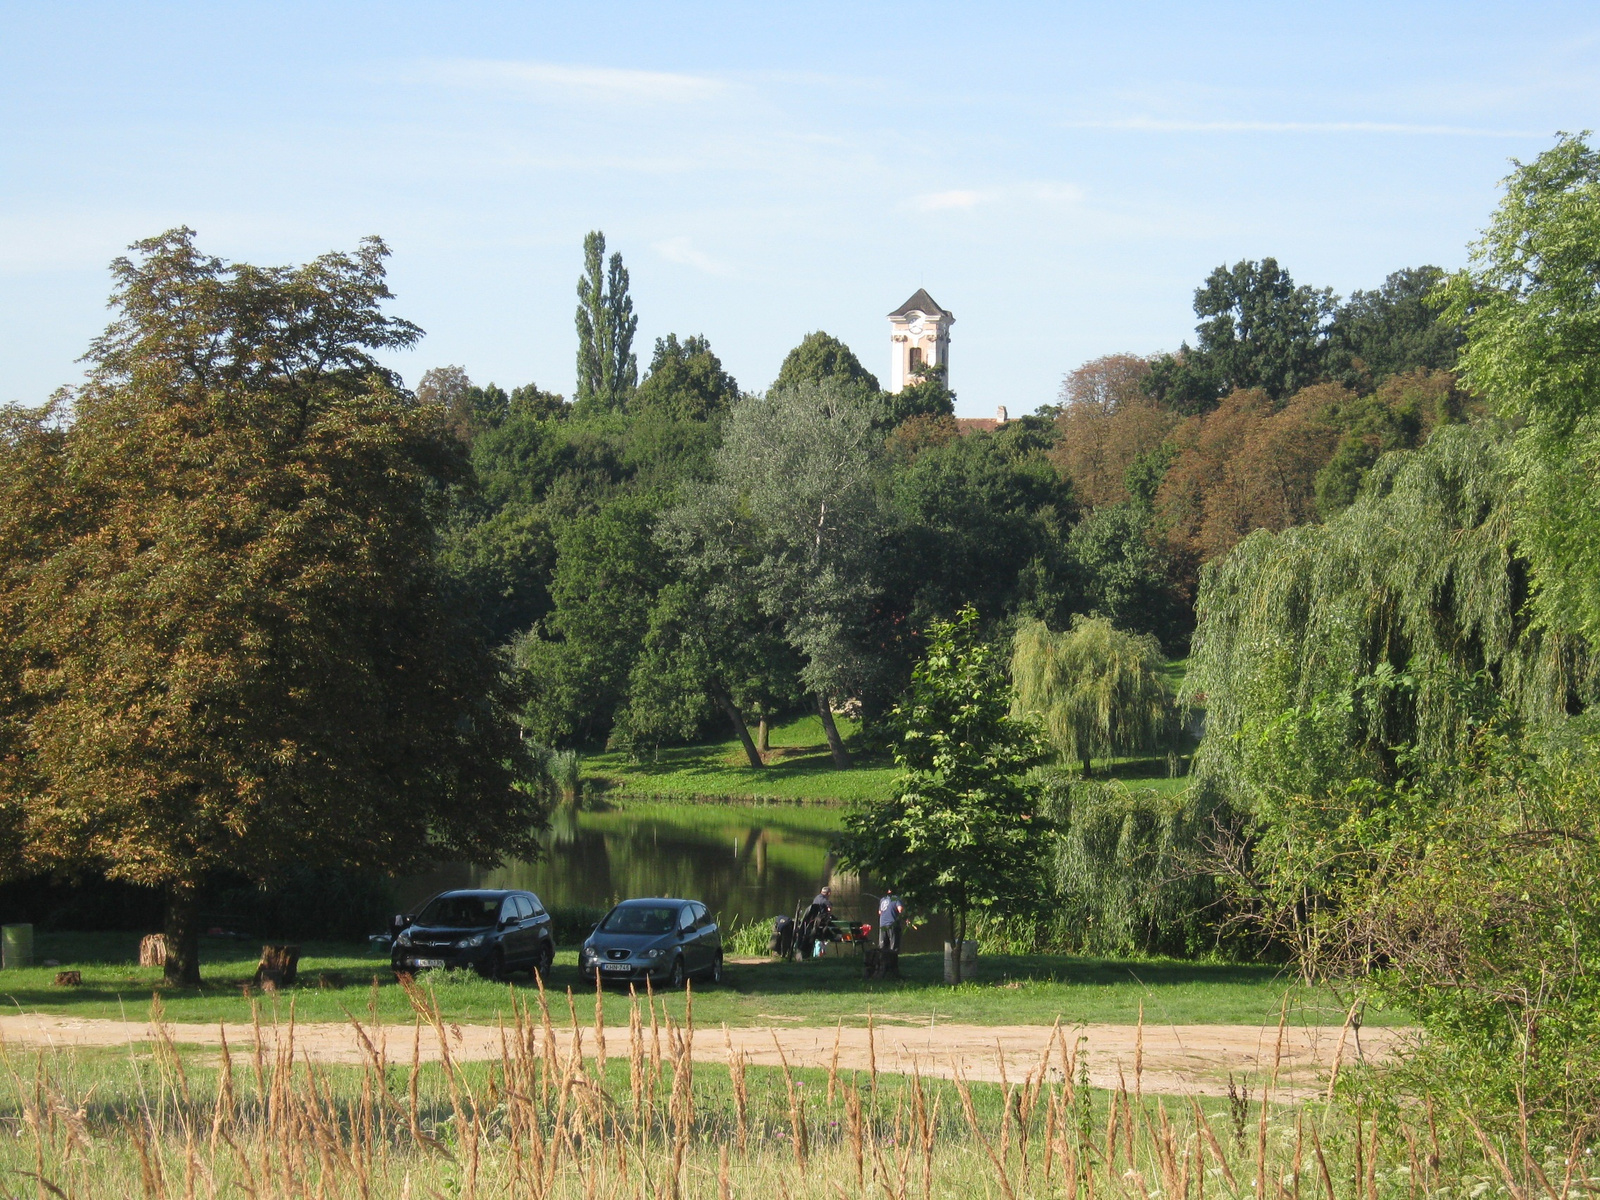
[(1008, 990), (799, 771)]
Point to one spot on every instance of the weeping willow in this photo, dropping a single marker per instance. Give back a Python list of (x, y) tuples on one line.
[(1371, 645), (1097, 690)]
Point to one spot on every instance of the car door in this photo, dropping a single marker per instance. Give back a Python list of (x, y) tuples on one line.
[(540, 928), (710, 936), (688, 940), (511, 934)]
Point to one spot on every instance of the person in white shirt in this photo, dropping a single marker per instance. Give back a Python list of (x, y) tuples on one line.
[(890, 914)]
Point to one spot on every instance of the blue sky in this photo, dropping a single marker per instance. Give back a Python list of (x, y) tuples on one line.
[(1060, 176)]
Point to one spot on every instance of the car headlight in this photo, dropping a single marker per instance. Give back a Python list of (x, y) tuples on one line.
[(467, 943), (656, 953), (404, 939)]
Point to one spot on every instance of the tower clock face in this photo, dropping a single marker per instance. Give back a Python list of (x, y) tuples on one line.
[(917, 326)]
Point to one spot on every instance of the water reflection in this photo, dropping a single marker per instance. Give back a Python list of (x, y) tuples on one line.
[(744, 861)]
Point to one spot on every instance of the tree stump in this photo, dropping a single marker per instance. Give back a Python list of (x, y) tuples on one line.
[(69, 978), (279, 966), (153, 950)]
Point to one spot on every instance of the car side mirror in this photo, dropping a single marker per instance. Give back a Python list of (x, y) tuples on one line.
[(398, 922)]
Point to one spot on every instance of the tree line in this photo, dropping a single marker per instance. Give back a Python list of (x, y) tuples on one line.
[(666, 556)]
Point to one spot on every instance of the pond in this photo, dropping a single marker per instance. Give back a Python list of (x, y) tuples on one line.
[(746, 862)]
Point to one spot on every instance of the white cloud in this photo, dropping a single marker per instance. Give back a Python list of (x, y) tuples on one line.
[(681, 250), (1160, 125), (963, 199), (590, 82), (960, 198)]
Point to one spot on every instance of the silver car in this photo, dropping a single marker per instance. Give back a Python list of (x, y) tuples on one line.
[(662, 940)]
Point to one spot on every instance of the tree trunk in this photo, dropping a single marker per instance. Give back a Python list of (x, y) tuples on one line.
[(1087, 768), (182, 933), (740, 728), (958, 939), (841, 757), (761, 736)]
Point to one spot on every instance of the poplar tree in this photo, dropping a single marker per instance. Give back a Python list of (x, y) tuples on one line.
[(608, 369), (226, 645)]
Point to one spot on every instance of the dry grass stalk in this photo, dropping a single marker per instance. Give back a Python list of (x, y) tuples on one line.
[(833, 1062), (599, 1028)]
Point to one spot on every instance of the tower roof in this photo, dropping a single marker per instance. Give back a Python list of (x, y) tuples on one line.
[(923, 303)]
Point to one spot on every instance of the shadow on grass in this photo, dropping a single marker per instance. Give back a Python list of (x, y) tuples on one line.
[(844, 973)]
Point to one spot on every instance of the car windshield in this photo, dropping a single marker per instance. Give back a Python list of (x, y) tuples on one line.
[(639, 918), (460, 912)]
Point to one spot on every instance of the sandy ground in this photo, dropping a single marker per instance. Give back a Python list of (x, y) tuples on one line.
[(1171, 1059)]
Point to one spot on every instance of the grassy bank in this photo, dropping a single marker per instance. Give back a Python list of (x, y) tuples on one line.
[(160, 1121), (1036, 989), (798, 771)]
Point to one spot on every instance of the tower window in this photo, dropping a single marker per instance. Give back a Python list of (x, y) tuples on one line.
[(916, 359)]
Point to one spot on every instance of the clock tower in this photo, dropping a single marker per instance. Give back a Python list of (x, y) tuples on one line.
[(919, 333)]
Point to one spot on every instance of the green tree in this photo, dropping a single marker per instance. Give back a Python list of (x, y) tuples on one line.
[(794, 515), (1531, 311), (1126, 578), (821, 356), (961, 830), (608, 570), (983, 519), (1364, 647), (927, 395), (608, 369), (686, 381), (1098, 691), (1258, 329), (708, 648), (227, 647), (1391, 330), (675, 417)]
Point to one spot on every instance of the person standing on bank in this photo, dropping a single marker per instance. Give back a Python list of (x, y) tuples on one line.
[(890, 914)]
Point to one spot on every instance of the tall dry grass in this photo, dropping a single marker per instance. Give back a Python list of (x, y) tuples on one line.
[(263, 1120)]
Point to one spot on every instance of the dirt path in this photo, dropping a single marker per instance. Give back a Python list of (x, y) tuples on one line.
[(1176, 1059)]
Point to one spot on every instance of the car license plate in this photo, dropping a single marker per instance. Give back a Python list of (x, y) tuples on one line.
[(427, 962), (615, 967)]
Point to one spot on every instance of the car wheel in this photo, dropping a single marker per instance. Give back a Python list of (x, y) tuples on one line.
[(545, 959), (716, 970), (675, 980), (496, 967)]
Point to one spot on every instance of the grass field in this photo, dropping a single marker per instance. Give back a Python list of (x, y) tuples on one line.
[(160, 1120), (336, 979), (799, 770)]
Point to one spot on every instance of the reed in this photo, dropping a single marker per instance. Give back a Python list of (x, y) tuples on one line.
[(161, 1121)]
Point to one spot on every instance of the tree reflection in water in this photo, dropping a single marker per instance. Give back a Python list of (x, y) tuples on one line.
[(745, 861)]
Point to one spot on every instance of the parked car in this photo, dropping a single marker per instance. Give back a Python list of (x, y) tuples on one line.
[(662, 940), (493, 932)]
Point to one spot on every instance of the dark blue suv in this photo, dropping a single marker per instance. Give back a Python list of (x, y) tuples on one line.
[(493, 932)]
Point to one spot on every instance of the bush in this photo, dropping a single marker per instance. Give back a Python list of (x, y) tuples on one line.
[(749, 938), (1130, 869)]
